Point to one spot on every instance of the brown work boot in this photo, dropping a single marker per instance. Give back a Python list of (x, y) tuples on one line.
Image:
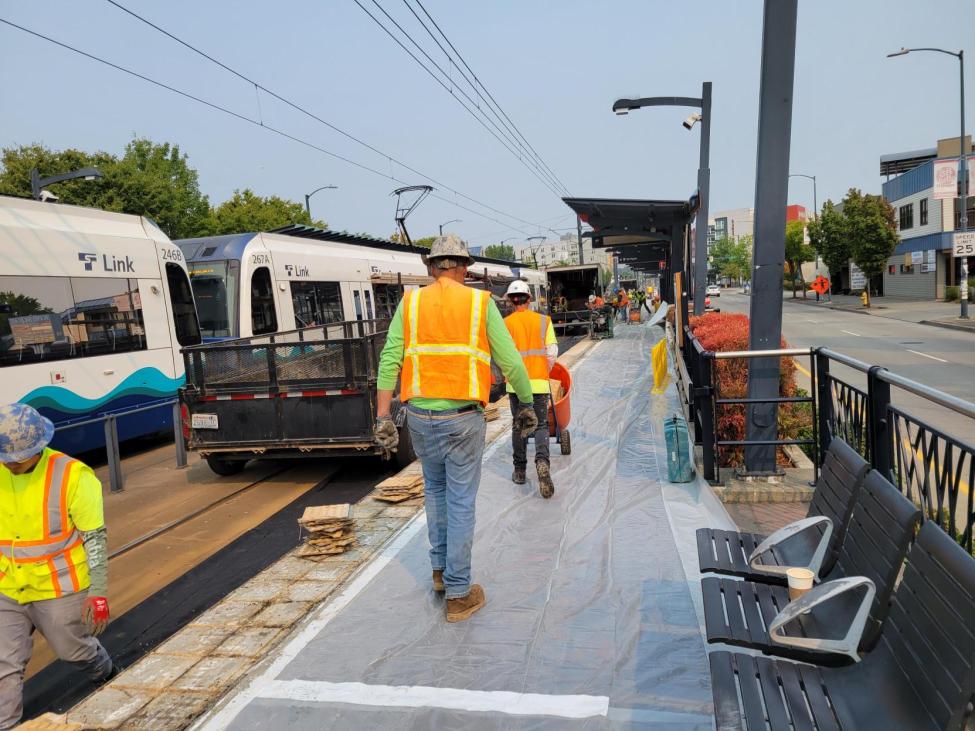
[(518, 476), (438, 580), (460, 609), (545, 485)]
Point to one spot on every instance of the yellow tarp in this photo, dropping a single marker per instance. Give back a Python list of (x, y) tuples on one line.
[(658, 358)]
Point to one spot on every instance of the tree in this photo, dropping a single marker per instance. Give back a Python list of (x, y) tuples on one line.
[(13, 304), (152, 180), (828, 237), (732, 258), (425, 243), (797, 251), (500, 251), (247, 211), (871, 231)]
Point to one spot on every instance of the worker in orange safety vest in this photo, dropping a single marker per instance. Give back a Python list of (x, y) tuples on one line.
[(53, 556), (535, 339)]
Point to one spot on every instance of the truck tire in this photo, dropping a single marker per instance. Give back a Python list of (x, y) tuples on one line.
[(225, 467), (404, 453)]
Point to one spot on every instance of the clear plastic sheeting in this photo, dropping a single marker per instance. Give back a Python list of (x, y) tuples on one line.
[(593, 605)]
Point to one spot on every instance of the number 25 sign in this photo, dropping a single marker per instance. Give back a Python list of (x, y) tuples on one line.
[(964, 244)]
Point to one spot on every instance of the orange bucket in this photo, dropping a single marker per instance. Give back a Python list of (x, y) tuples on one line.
[(563, 407), (634, 315)]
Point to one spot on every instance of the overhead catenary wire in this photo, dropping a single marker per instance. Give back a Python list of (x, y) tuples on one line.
[(530, 166), (258, 123), (493, 104), (297, 107)]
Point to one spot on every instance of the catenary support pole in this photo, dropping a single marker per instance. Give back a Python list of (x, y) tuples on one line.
[(771, 190), (704, 187), (582, 256)]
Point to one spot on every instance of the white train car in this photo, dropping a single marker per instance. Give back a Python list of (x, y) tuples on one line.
[(260, 283), (94, 307)]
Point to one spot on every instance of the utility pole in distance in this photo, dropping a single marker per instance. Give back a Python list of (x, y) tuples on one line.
[(771, 199)]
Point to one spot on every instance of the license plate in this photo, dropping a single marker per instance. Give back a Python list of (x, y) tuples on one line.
[(204, 421)]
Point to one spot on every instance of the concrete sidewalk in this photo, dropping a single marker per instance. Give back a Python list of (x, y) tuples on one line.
[(925, 312)]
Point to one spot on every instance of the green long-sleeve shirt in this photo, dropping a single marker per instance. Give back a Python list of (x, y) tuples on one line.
[(503, 352)]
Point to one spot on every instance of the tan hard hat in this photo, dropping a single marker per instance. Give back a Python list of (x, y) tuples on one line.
[(449, 247)]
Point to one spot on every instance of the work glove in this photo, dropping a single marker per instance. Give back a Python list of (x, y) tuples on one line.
[(525, 420), (94, 613), (386, 434)]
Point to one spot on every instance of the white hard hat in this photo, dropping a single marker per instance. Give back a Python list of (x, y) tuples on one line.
[(519, 286)]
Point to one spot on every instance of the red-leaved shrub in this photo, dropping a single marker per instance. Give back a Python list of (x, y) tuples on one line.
[(723, 332)]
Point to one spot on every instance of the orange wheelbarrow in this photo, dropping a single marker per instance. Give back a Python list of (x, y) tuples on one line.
[(560, 410)]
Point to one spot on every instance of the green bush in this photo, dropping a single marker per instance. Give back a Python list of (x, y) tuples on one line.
[(951, 294)]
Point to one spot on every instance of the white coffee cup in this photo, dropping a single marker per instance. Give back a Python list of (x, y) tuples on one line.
[(800, 581)]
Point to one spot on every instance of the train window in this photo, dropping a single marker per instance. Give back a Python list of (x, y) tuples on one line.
[(181, 300), (387, 297), (316, 303), (54, 318), (215, 290), (263, 317), (357, 298), (369, 312)]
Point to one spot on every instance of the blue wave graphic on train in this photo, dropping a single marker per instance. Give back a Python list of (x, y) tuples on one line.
[(141, 388)]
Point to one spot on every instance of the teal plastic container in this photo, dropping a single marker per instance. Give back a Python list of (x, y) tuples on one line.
[(680, 466)]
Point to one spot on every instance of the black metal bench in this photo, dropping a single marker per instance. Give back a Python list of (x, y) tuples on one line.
[(880, 530), (920, 675), (800, 544)]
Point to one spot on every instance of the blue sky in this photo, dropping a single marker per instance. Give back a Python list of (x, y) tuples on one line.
[(556, 68)]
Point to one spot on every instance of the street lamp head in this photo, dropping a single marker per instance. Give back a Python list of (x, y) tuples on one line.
[(902, 52), (692, 120), (624, 106)]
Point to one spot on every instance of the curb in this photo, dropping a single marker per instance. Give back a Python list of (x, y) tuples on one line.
[(948, 326)]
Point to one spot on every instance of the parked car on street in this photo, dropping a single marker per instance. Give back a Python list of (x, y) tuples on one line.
[(714, 290)]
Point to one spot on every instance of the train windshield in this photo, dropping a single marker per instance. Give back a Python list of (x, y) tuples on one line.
[(215, 286)]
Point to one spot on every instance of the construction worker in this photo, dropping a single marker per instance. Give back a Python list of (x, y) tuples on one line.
[(535, 339), (53, 557), (444, 337), (624, 305)]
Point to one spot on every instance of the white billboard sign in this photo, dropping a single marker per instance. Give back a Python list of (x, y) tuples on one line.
[(857, 278)]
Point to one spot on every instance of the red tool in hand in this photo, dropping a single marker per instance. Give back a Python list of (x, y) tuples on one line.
[(95, 614)]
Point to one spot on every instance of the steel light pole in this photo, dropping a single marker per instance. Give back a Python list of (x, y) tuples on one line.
[(623, 106), (309, 195), (815, 205), (963, 157), (445, 223), (37, 183)]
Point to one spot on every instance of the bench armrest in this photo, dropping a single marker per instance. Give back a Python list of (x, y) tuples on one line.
[(813, 562), (816, 597)]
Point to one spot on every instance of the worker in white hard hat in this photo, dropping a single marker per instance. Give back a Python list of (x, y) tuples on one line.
[(535, 339)]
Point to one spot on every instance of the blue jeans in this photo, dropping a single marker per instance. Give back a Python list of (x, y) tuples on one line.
[(449, 447)]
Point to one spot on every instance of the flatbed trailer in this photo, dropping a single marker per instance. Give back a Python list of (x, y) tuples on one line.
[(569, 288), (308, 392)]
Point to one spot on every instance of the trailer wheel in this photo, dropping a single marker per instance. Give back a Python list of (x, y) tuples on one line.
[(404, 452), (225, 467), (565, 442)]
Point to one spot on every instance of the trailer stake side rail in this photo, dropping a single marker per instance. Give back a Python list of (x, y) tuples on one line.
[(303, 392)]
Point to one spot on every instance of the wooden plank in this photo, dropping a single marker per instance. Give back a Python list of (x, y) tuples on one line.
[(751, 594), (822, 711), (774, 707), (795, 701), (705, 549), (751, 695), (732, 590), (724, 690), (717, 628)]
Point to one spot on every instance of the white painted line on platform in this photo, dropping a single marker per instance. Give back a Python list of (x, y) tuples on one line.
[(932, 357), (221, 717), (851, 333), (420, 696)]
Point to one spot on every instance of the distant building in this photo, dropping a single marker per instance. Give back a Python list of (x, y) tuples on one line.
[(922, 264), (564, 250)]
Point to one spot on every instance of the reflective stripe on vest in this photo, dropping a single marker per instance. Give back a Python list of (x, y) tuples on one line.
[(476, 354), (60, 550), (543, 331)]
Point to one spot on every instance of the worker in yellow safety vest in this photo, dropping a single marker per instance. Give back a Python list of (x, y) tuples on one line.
[(53, 556), (443, 338), (535, 339)]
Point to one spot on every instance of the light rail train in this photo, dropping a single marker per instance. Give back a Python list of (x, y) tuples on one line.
[(94, 308)]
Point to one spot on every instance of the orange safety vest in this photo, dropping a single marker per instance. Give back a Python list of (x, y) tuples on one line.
[(528, 329), (446, 353), (42, 555)]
